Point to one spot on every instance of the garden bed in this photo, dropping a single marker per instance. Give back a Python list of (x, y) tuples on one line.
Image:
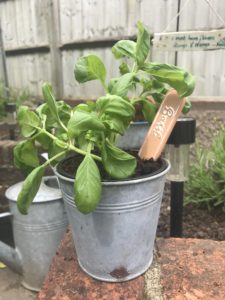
[(197, 222)]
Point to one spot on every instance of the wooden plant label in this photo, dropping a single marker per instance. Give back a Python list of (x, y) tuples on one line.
[(190, 40), (162, 126)]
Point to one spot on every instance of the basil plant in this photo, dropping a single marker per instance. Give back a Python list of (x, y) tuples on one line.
[(90, 129)]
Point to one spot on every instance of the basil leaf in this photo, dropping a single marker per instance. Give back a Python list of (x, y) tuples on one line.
[(28, 121), (88, 68), (64, 111), (54, 149), (45, 114), (83, 142), (83, 107), (149, 110), (87, 185), (117, 125), (50, 100), (44, 140), (124, 68), (29, 189), (25, 153), (143, 44), (83, 121), (122, 85), (182, 81), (115, 106), (117, 163), (124, 48), (187, 106)]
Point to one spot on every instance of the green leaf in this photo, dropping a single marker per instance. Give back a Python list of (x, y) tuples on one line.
[(46, 116), (122, 85), (124, 68), (44, 140), (50, 100), (149, 110), (115, 124), (182, 81), (124, 48), (83, 121), (83, 107), (187, 106), (87, 185), (28, 121), (83, 142), (143, 44), (26, 154), (29, 189), (117, 163), (146, 84), (54, 149), (115, 106), (88, 68), (64, 111)]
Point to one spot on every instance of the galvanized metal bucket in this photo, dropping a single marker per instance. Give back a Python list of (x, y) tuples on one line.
[(115, 242), (134, 136), (37, 235)]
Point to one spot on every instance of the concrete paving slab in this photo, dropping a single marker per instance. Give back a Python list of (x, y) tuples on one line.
[(11, 288)]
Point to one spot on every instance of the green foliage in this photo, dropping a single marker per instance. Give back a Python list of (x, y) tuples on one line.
[(143, 44), (117, 162), (30, 188), (89, 68), (87, 185), (92, 128), (28, 121), (206, 184), (17, 96), (180, 80)]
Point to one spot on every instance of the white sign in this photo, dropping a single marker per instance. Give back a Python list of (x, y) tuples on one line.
[(190, 40)]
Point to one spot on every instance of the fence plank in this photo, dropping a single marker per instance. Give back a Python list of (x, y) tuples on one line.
[(28, 23), (207, 66)]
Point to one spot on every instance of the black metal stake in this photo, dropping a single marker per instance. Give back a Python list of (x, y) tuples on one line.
[(176, 206)]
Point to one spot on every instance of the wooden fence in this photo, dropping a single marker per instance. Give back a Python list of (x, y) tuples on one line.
[(43, 38)]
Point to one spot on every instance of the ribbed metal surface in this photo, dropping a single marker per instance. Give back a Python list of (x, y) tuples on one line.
[(120, 233), (37, 235), (28, 24)]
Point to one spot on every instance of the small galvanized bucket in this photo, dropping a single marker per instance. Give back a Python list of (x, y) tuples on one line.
[(37, 235), (115, 242), (134, 136)]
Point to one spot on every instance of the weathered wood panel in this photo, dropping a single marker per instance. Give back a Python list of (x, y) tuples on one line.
[(99, 20), (207, 66), (92, 89), (28, 23), (29, 71), (24, 23)]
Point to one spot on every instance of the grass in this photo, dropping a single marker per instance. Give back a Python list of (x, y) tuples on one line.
[(206, 184)]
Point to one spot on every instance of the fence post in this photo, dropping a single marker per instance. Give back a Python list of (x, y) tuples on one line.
[(3, 67), (55, 52)]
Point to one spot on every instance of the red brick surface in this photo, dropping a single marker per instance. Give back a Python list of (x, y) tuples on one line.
[(66, 281), (192, 269)]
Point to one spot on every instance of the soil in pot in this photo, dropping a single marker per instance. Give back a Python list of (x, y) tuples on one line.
[(145, 168)]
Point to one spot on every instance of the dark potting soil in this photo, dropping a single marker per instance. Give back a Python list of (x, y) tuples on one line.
[(69, 166), (198, 222)]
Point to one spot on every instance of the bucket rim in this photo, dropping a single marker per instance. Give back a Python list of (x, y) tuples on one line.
[(51, 193), (150, 177)]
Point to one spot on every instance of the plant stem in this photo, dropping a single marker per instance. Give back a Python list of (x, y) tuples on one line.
[(62, 125), (53, 158), (70, 147)]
